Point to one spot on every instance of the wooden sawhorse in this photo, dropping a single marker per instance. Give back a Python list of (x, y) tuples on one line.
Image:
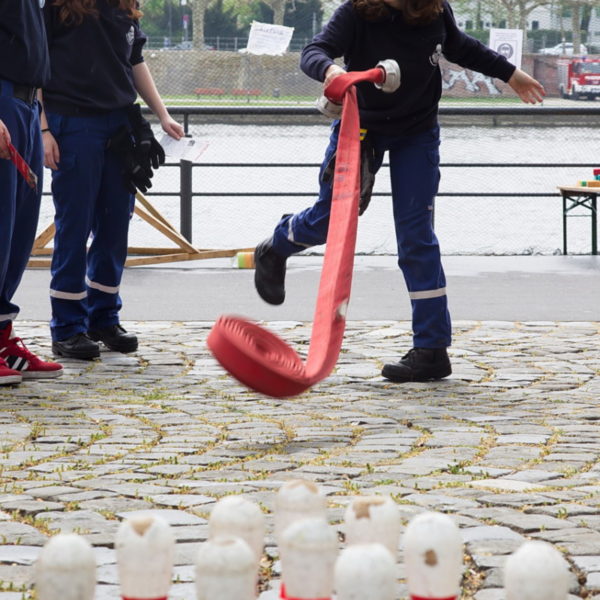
[(183, 250)]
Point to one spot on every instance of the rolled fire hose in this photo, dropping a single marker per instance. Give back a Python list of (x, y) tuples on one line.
[(257, 357)]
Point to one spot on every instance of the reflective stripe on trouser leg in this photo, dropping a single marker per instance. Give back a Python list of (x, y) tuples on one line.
[(414, 165), (19, 204)]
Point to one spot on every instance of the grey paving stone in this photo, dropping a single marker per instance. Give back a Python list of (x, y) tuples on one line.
[(506, 446), (19, 555), (20, 533), (490, 532), (592, 582), (588, 564)]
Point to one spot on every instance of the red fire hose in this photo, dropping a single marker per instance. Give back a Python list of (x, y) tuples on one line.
[(257, 357)]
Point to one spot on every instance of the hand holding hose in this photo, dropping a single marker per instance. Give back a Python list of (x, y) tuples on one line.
[(330, 103)]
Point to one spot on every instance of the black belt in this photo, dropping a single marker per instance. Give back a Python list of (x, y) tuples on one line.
[(24, 92), (70, 110)]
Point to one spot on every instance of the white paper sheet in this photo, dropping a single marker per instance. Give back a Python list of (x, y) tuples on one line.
[(187, 148), (266, 38)]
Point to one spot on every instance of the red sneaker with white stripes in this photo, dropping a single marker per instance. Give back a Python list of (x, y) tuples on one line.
[(15, 355), (8, 376)]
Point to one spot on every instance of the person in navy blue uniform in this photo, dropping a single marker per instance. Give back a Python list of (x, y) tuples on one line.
[(98, 70), (24, 66), (415, 33)]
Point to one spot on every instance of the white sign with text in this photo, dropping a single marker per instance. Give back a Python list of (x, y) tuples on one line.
[(266, 38)]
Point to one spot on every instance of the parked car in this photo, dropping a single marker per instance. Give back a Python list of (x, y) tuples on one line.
[(564, 49)]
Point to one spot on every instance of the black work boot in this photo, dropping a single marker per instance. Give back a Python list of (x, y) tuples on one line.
[(78, 346), (115, 338), (269, 273), (419, 364)]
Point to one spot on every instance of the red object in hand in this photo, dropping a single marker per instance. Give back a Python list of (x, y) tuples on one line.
[(257, 357), (22, 166)]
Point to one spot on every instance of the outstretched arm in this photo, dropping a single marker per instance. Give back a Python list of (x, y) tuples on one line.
[(146, 88), (527, 88)]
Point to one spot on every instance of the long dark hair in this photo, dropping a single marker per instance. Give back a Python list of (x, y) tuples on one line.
[(414, 12), (72, 12)]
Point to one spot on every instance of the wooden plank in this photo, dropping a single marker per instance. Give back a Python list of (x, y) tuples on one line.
[(150, 250), (39, 263), (182, 256), (44, 237), (152, 210), (580, 189), (166, 231), (155, 260)]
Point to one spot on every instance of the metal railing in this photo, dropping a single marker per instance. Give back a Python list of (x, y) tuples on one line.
[(186, 193)]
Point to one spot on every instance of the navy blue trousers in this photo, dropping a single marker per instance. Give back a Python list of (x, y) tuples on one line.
[(19, 204), (414, 171), (90, 199)]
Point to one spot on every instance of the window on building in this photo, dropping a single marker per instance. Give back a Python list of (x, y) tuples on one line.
[(535, 25), (469, 25)]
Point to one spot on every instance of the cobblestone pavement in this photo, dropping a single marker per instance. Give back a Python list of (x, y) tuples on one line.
[(508, 445)]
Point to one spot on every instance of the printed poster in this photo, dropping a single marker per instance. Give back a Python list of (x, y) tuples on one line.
[(509, 43)]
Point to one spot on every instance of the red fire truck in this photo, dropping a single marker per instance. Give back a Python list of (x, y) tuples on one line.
[(579, 78)]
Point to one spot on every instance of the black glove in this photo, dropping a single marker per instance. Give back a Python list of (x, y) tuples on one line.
[(151, 152), (135, 175), (367, 173)]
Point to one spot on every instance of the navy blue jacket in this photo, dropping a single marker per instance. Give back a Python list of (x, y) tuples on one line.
[(23, 48), (92, 62), (416, 48)]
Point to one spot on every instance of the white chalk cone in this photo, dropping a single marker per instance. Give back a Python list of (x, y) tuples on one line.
[(238, 516), (66, 569), (226, 569), (536, 571), (308, 551), (297, 499), (145, 547), (365, 572), (371, 520), (433, 556)]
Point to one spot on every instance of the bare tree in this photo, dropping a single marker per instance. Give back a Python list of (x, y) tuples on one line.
[(198, 11), (517, 11), (278, 7), (579, 8)]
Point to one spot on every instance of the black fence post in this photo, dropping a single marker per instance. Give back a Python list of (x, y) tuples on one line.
[(185, 200)]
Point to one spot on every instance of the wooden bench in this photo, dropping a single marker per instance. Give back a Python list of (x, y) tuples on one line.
[(246, 92), (209, 92)]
